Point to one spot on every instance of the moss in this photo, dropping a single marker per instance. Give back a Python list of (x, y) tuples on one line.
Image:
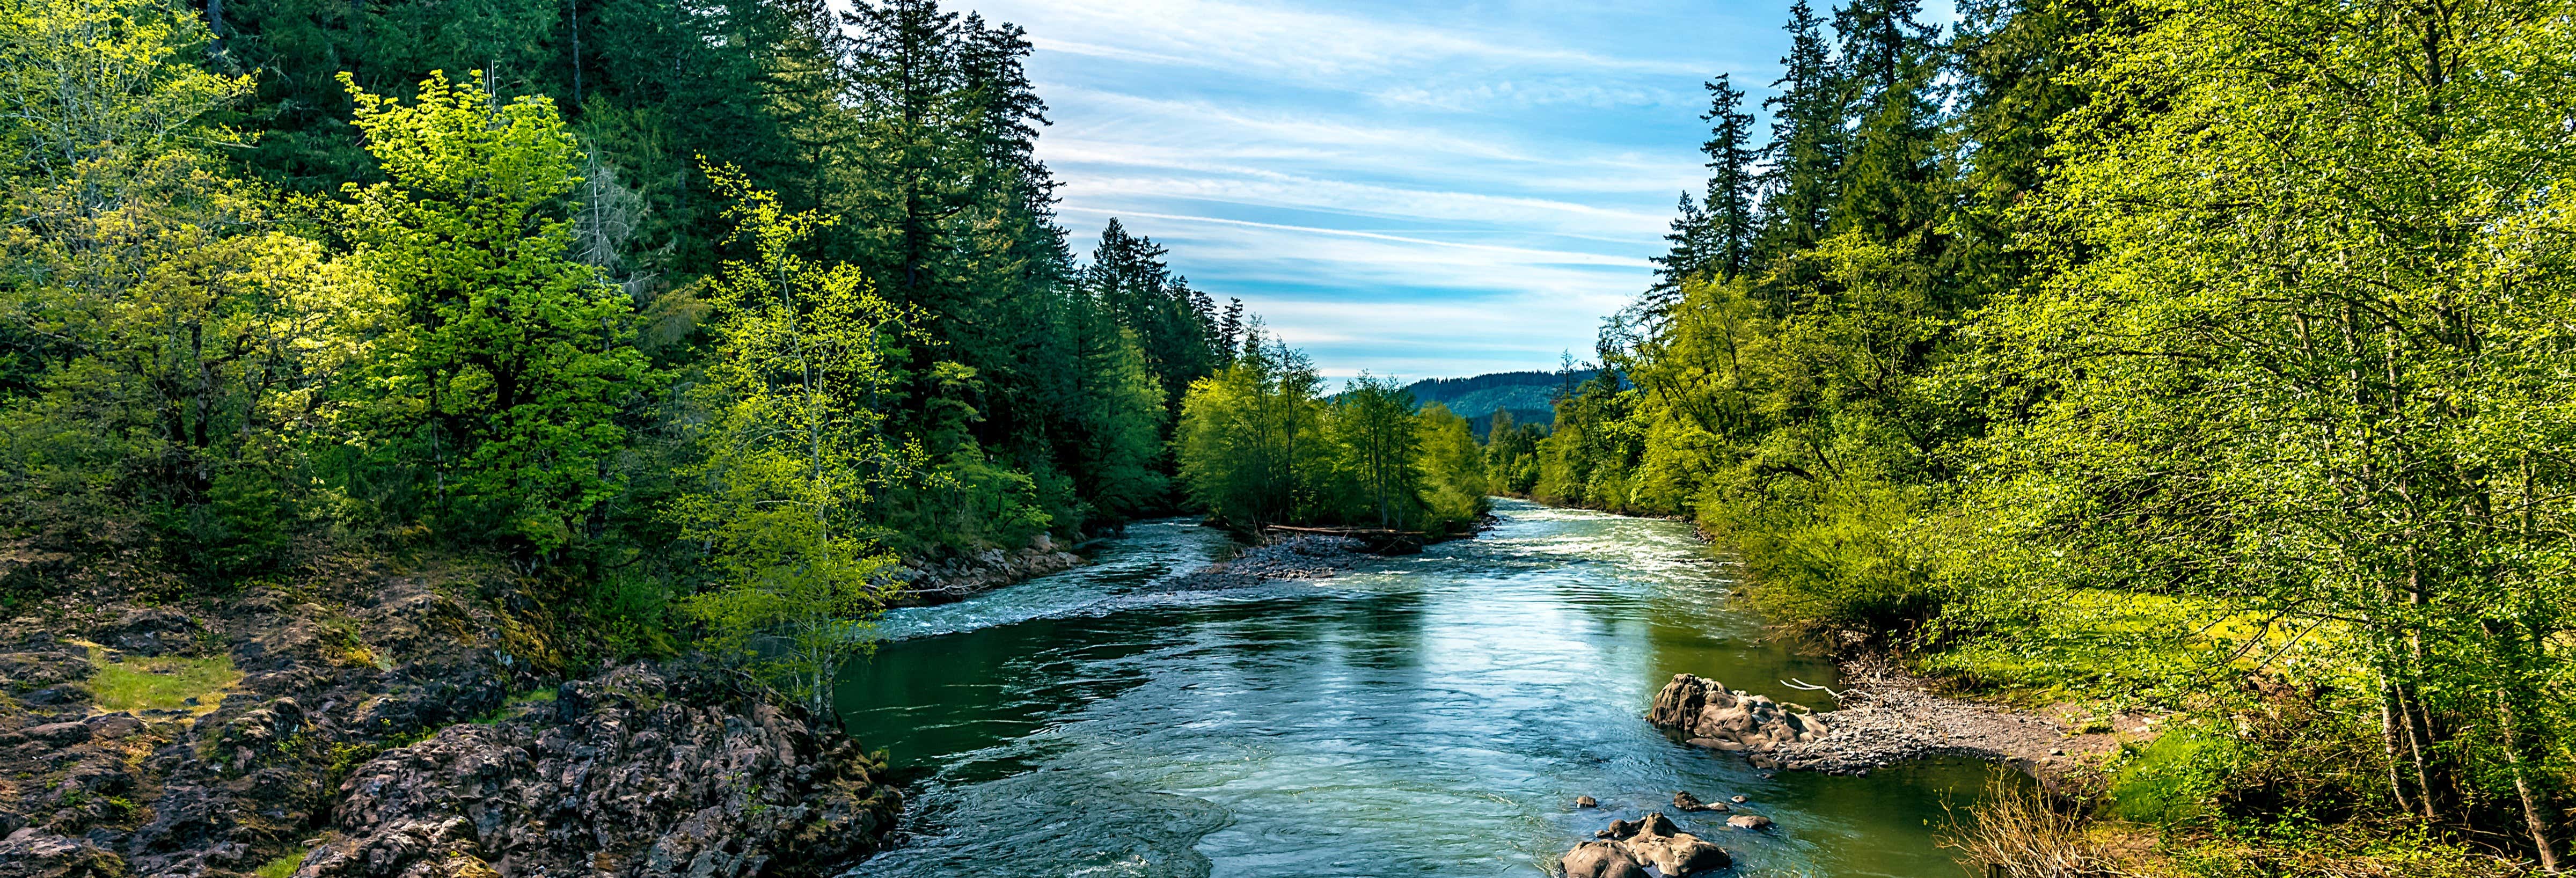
[(164, 683), (284, 865)]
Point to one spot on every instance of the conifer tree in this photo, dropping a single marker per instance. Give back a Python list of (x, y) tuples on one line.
[(1733, 191), (1806, 148)]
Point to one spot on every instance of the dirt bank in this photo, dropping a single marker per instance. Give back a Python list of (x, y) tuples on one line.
[(1888, 716)]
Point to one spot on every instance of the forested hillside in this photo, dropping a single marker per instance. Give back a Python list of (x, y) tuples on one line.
[(2197, 357), (692, 315)]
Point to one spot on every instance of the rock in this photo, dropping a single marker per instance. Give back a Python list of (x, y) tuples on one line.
[(638, 774), (1749, 821), (1600, 859), (1586, 802), (57, 734), (114, 725), (22, 671), (1717, 718), (1686, 802), (1301, 557), (1740, 799), (150, 631), (28, 854), (1654, 841)]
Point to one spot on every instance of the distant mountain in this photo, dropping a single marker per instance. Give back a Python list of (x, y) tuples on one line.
[(1530, 396)]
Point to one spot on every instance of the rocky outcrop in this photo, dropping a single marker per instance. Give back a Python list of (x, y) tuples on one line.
[(29, 854), (1718, 718), (637, 773), (1628, 848), (1299, 557), (955, 579)]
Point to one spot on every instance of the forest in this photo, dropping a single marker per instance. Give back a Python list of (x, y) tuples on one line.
[(703, 321), (2197, 357)]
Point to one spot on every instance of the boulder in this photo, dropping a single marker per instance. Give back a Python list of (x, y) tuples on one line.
[(150, 631), (1600, 859), (1684, 801), (1653, 841), (634, 775), (1586, 802), (62, 734), (1749, 821), (1712, 716)]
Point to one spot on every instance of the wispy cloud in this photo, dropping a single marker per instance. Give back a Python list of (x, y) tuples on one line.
[(1437, 188)]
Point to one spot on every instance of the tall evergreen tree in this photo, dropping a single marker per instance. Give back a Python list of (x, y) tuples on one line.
[(1733, 190), (1806, 148), (1128, 278), (1887, 64)]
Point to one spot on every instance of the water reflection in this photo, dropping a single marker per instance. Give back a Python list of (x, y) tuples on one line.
[(1430, 713)]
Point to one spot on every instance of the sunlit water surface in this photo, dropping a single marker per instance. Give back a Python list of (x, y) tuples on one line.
[(1431, 714)]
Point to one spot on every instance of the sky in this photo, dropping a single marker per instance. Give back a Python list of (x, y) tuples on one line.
[(1415, 189)]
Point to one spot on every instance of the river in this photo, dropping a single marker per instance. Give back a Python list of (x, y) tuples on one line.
[(1431, 714)]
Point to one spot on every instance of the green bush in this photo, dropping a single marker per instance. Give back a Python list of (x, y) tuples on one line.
[(2172, 779)]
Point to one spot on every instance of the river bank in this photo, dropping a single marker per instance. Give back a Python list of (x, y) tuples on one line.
[(1438, 712)]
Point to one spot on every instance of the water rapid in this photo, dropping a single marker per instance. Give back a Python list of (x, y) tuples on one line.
[(1436, 713)]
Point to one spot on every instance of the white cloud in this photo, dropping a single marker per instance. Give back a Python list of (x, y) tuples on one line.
[(1421, 189)]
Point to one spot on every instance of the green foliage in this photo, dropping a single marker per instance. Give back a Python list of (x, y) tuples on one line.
[(2173, 779), (1377, 450), (283, 866), (1456, 489), (2209, 355), (793, 452), (1249, 443), (498, 366)]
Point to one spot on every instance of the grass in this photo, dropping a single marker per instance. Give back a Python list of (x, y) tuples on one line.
[(2087, 646), (545, 695), (284, 865), (164, 683)]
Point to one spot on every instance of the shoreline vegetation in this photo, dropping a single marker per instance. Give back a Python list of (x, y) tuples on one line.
[(2202, 361)]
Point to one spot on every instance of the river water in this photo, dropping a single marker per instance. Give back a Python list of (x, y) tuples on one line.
[(1436, 713)]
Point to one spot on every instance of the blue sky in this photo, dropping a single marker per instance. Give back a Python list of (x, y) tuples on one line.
[(1417, 189)]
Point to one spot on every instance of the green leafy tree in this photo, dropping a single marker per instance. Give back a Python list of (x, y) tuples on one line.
[(1249, 443), (500, 366), (1455, 483), (1379, 449), (794, 450), (2305, 358)]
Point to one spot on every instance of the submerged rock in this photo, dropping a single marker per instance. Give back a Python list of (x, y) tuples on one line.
[(1749, 821), (1721, 719), (1653, 841), (1686, 802)]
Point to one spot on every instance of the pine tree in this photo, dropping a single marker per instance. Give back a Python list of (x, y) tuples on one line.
[(1806, 149), (1887, 180), (1685, 253), (1733, 191), (1128, 278)]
